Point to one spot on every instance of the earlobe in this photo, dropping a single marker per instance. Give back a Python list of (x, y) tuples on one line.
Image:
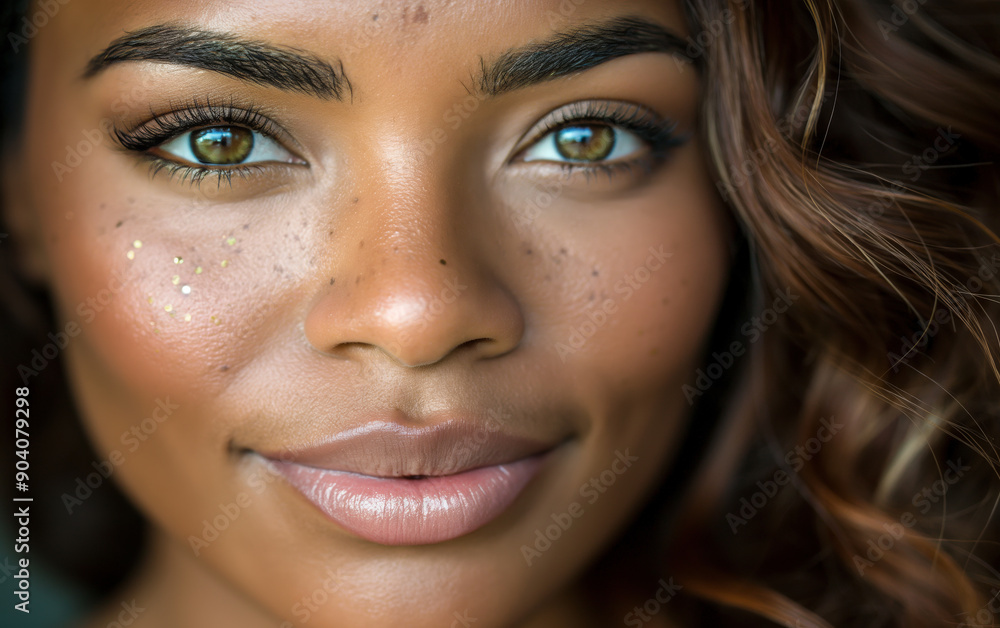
[(20, 223)]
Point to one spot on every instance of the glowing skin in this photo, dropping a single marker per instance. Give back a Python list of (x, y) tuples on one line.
[(393, 255)]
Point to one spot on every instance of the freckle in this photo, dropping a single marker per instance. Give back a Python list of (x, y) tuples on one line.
[(197, 270), (639, 333), (118, 224), (357, 280), (420, 15), (224, 367), (355, 199), (168, 308), (528, 252), (331, 280), (137, 244), (591, 296), (230, 241), (130, 255), (562, 251), (178, 260), (176, 280), (246, 226), (103, 205), (185, 289), (361, 244), (443, 263), (653, 351), (595, 273), (374, 17), (131, 199), (225, 263), (665, 301)]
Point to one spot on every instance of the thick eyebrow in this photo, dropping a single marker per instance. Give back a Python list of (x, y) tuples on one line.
[(579, 49), (252, 61)]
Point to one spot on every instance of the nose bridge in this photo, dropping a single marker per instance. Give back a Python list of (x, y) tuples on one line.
[(410, 281)]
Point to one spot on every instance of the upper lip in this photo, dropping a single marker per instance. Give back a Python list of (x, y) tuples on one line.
[(388, 447)]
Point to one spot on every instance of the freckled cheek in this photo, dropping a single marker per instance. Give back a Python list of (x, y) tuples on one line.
[(656, 314), (150, 307)]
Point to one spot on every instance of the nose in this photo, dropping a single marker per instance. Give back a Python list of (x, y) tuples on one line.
[(412, 283)]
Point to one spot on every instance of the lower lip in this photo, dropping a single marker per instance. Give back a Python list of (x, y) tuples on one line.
[(397, 511)]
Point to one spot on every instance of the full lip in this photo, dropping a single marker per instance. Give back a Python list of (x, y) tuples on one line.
[(397, 483), (387, 448)]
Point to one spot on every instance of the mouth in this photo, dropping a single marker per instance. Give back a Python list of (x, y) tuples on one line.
[(394, 484)]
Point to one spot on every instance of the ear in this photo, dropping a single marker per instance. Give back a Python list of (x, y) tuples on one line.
[(21, 220)]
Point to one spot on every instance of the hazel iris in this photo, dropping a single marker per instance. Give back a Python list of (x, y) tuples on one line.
[(591, 142), (221, 145)]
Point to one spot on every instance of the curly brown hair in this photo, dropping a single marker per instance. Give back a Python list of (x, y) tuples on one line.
[(856, 142)]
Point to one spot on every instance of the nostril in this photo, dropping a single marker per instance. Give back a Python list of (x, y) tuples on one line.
[(416, 323)]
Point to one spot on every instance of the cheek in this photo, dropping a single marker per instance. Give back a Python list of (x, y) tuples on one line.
[(142, 298), (163, 311), (152, 358), (167, 297), (652, 289)]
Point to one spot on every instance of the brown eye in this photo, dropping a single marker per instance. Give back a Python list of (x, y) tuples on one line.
[(221, 145), (585, 142)]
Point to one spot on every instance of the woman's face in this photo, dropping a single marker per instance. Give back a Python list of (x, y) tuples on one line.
[(462, 256)]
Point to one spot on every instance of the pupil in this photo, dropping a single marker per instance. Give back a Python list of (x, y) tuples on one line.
[(221, 145), (591, 142)]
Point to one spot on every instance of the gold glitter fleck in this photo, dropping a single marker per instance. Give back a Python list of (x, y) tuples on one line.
[(168, 308), (176, 280), (178, 260), (230, 241), (150, 300), (214, 320), (137, 244), (187, 318), (197, 271), (130, 255), (186, 289), (225, 263)]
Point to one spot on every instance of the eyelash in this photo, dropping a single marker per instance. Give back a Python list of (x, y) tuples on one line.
[(166, 126), (659, 133)]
